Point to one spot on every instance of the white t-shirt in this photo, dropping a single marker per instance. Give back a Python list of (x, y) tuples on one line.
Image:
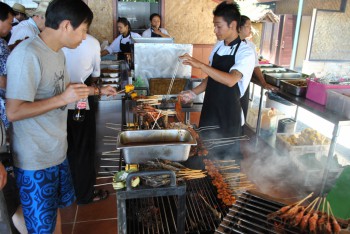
[(244, 63), (83, 61), (115, 46), (26, 28), (148, 32), (251, 44)]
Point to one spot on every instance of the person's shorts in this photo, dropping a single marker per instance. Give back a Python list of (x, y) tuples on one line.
[(42, 192)]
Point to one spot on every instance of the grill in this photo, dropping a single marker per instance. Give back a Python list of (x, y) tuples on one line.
[(249, 215), (161, 213)]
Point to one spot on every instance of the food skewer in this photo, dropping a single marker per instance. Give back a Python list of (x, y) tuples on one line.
[(336, 226), (214, 211), (285, 209), (305, 220)]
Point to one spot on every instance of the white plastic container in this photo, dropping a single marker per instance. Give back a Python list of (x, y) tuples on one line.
[(284, 106), (269, 119), (339, 101)]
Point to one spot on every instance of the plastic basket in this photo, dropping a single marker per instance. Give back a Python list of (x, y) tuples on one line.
[(160, 86), (317, 92), (298, 150)]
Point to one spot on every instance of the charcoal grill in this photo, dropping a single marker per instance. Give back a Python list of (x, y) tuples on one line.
[(142, 211)]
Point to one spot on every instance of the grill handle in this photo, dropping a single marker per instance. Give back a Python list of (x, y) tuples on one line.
[(150, 173)]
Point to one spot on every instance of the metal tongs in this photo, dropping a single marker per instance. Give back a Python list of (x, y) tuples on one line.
[(172, 80), (213, 143)]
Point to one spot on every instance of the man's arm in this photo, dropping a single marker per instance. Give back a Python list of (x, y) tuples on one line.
[(19, 109), (258, 73), (228, 79)]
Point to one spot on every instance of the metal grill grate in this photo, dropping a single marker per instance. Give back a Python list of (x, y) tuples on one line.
[(158, 214), (248, 215)]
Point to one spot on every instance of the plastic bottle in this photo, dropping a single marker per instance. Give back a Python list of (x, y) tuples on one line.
[(79, 113)]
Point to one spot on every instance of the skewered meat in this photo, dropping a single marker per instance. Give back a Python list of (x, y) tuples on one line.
[(304, 221), (321, 223), (313, 222), (336, 226), (298, 217), (280, 211), (224, 192)]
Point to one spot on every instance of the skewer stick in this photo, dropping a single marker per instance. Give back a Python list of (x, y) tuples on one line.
[(221, 161), (301, 201), (97, 185), (312, 204), (319, 204), (114, 137), (330, 209), (324, 203), (104, 177), (114, 124)]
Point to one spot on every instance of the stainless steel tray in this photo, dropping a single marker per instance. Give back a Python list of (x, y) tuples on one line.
[(294, 87), (142, 145), (275, 78)]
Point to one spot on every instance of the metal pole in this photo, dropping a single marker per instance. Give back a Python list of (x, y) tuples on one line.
[(296, 35)]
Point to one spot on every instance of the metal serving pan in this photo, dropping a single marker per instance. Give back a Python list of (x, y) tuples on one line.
[(275, 78), (296, 87), (142, 145)]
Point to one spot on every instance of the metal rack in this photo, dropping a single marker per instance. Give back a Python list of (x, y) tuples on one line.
[(130, 193), (317, 109)]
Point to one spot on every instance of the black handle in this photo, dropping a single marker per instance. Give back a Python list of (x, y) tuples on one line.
[(150, 173)]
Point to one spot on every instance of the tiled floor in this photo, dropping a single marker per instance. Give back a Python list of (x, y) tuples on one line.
[(99, 217)]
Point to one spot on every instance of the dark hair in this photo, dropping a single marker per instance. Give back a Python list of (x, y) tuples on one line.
[(76, 11), (154, 15), (229, 11), (244, 19), (126, 22), (5, 10)]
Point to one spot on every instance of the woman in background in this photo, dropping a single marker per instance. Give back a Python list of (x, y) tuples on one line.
[(123, 43), (245, 31), (155, 30)]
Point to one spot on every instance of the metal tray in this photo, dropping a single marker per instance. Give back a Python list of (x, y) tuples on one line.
[(290, 86), (142, 145), (275, 78)]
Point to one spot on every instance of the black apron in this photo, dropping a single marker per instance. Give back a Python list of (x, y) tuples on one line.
[(125, 48), (154, 34), (222, 106)]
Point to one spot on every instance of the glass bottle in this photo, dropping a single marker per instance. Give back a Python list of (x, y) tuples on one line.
[(80, 107)]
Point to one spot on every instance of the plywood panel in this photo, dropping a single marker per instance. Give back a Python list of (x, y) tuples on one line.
[(291, 6), (331, 36), (102, 25), (190, 21)]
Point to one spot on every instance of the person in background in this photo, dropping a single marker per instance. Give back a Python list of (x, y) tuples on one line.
[(155, 30), (7, 180), (123, 43), (37, 94), (245, 31), (82, 135), (30, 27), (20, 15), (230, 70)]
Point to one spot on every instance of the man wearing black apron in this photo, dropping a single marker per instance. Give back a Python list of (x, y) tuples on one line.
[(232, 64)]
